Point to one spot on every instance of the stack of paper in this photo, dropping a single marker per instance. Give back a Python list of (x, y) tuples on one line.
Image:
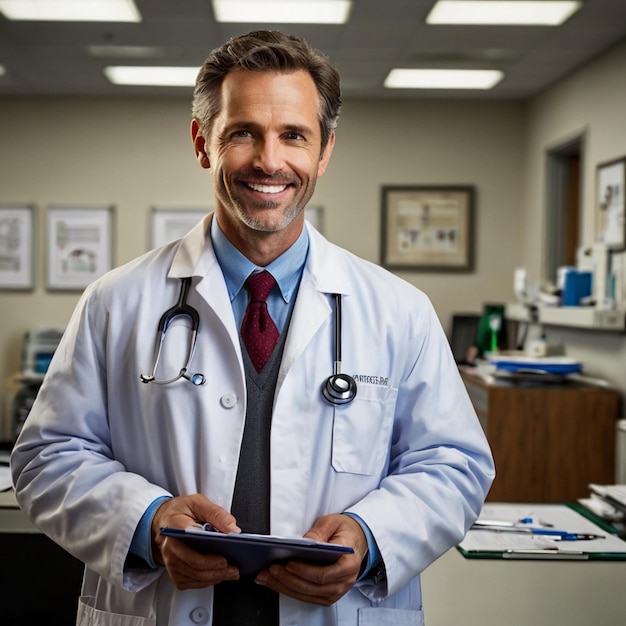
[(607, 501)]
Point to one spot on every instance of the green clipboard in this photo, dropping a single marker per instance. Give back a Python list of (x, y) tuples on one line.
[(577, 553)]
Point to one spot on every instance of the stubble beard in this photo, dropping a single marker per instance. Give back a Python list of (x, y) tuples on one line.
[(262, 223)]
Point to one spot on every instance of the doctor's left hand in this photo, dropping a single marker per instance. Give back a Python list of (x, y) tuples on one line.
[(321, 584), (188, 568)]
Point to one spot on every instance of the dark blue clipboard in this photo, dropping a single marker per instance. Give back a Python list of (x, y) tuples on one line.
[(252, 553)]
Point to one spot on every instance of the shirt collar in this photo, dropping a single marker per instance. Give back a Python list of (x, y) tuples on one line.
[(286, 269)]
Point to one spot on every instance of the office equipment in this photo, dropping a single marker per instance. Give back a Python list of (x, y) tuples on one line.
[(38, 347), (252, 553), (463, 334), (491, 334), (548, 441), (557, 532), (577, 285)]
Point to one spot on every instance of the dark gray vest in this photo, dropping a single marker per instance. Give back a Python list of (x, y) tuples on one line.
[(244, 603)]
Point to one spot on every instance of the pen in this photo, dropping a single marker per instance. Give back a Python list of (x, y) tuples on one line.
[(563, 535), (207, 526), (547, 553)]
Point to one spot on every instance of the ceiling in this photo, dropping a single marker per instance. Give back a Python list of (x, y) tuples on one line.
[(53, 58)]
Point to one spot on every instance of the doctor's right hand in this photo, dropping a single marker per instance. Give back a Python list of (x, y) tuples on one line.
[(188, 568)]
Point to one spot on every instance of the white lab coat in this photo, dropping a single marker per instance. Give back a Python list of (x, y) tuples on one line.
[(407, 455)]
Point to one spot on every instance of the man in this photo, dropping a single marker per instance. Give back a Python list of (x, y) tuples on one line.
[(113, 451)]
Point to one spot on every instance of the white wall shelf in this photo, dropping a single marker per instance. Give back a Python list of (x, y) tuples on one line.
[(571, 316), (583, 317)]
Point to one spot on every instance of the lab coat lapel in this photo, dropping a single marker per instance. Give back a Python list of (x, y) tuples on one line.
[(322, 275), (196, 257), (310, 311)]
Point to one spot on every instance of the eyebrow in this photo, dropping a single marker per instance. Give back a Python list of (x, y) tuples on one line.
[(299, 128)]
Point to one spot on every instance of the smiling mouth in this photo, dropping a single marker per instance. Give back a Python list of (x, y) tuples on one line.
[(267, 188)]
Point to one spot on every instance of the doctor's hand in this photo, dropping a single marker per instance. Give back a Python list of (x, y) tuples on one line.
[(188, 568), (321, 584)]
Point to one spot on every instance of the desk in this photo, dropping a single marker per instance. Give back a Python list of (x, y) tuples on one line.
[(548, 441), (40, 581), (523, 593)]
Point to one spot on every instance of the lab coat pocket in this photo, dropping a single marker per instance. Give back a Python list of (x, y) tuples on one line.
[(390, 617), (88, 615), (361, 430)]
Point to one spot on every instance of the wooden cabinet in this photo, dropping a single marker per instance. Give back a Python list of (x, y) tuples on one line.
[(548, 441)]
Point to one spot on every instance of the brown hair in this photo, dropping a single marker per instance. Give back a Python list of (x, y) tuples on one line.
[(267, 51)]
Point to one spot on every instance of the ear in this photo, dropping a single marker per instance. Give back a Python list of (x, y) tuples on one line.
[(325, 157), (199, 145)]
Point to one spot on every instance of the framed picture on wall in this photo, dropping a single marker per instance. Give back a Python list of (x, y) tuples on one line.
[(610, 203), (428, 228), (80, 246), (170, 224), (16, 247), (315, 215)]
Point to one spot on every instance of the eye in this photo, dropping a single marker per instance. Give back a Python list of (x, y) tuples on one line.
[(241, 134), (293, 135)]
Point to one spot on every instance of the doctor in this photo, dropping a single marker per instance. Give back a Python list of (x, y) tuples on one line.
[(114, 449)]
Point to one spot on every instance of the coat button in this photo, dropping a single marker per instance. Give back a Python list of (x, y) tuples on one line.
[(199, 615), (228, 400)]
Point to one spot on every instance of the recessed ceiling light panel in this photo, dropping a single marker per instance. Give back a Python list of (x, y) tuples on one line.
[(126, 52), (442, 79), (71, 10), (531, 12), (282, 11), (152, 76)]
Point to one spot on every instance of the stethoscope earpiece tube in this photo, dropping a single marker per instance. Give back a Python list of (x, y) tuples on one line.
[(339, 388)]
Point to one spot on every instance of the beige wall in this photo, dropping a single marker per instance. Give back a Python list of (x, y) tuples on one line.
[(136, 154)]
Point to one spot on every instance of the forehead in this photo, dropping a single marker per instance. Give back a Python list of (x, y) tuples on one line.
[(270, 95)]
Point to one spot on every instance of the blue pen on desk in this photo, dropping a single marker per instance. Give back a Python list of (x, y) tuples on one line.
[(511, 527), (564, 535)]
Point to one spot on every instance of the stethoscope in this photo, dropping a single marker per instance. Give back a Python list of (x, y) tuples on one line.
[(338, 389), (181, 308)]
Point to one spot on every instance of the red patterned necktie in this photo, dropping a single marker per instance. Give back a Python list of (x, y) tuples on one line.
[(258, 331)]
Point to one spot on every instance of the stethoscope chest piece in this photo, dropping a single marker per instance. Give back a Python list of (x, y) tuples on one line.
[(196, 379), (339, 389)]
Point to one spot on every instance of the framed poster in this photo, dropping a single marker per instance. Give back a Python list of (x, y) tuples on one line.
[(428, 228), (315, 215), (16, 247), (80, 247), (610, 225), (170, 224)]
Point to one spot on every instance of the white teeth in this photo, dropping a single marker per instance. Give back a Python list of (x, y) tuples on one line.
[(268, 188)]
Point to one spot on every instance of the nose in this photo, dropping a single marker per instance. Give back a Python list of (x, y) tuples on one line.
[(269, 157)]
